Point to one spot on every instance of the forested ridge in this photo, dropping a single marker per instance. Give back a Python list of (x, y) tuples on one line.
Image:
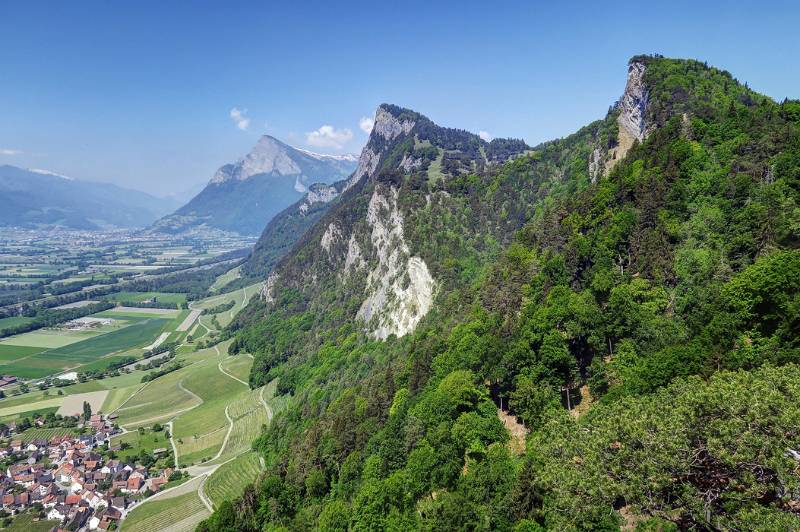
[(640, 321)]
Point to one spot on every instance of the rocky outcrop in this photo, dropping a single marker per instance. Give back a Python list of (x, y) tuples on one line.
[(632, 119), (367, 164), (330, 236), (268, 156), (633, 104), (267, 292), (410, 163), (386, 129), (389, 127), (353, 260), (318, 193), (595, 165), (399, 288)]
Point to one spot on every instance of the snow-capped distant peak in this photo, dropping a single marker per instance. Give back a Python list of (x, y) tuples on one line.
[(345, 157), (48, 172)]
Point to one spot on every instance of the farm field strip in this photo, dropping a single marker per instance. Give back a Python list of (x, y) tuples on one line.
[(47, 352), (238, 366), (39, 405), (230, 479), (47, 434), (159, 514), (48, 338), (73, 404)]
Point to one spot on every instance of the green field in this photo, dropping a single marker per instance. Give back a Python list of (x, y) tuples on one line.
[(217, 391), (158, 401), (14, 321), (238, 366), (161, 297), (225, 278), (141, 442), (49, 338), (117, 396), (87, 351), (228, 482), (50, 402), (25, 523), (9, 353)]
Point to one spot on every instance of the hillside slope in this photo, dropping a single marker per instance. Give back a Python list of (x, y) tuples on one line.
[(625, 292), (244, 196), (36, 198)]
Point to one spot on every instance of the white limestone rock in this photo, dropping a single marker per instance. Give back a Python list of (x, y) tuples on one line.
[(267, 292), (330, 236), (400, 289), (633, 104)]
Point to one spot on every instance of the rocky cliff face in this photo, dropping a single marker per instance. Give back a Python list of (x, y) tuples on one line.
[(269, 156), (399, 289), (633, 104), (631, 120), (361, 244)]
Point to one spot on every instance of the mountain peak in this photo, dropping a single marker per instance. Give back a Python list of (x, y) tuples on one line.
[(268, 156)]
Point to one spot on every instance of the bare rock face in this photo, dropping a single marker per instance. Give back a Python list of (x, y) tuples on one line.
[(389, 127), (354, 259), (367, 164), (400, 289), (386, 127), (318, 193), (595, 165), (267, 292), (410, 163), (633, 104), (330, 236), (632, 117), (268, 156)]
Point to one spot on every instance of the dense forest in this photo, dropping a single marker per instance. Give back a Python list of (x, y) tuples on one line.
[(606, 349)]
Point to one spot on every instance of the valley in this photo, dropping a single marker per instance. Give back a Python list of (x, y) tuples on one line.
[(203, 414)]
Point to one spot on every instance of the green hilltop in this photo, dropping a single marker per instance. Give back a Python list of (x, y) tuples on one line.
[(594, 333)]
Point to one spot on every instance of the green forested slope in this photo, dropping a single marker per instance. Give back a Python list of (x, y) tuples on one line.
[(642, 321)]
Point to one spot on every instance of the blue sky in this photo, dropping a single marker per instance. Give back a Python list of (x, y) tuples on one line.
[(142, 93)]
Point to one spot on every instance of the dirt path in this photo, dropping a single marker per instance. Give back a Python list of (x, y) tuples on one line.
[(189, 320), (142, 387), (202, 495), (172, 442), (266, 406), (517, 431)]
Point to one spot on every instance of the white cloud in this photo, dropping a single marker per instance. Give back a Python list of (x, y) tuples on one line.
[(366, 123), (9, 151), (329, 137), (485, 135), (239, 118)]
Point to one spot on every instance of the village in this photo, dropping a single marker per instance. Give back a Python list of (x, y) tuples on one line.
[(75, 481)]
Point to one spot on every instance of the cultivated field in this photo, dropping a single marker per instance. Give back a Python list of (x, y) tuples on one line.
[(179, 513), (73, 404), (161, 297), (230, 479), (206, 405), (238, 366)]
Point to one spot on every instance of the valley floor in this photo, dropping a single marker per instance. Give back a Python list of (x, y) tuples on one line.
[(212, 417)]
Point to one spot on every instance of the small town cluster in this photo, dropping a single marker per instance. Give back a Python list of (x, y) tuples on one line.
[(67, 479)]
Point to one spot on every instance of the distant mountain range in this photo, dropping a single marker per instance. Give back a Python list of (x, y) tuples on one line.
[(244, 196), (40, 198)]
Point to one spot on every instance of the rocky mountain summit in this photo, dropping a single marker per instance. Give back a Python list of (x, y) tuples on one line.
[(244, 196)]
